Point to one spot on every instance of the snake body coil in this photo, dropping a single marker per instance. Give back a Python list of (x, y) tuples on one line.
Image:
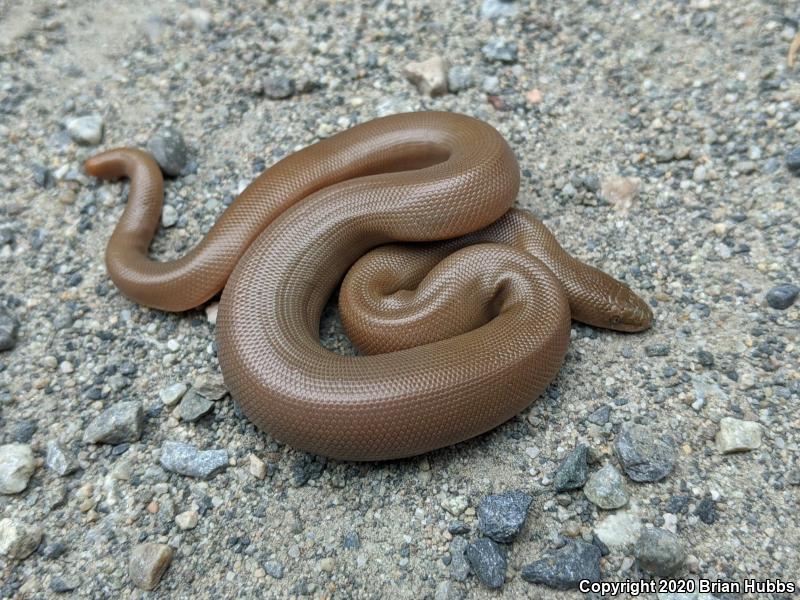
[(456, 336)]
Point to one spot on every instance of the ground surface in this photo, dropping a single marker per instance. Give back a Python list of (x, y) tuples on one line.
[(693, 99)]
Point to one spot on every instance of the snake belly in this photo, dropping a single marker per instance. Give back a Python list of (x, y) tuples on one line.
[(460, 305)]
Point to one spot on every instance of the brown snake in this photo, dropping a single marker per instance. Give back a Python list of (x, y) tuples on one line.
[(456, 337)]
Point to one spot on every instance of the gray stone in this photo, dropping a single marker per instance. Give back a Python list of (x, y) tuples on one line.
[(606, 488), (211, 387), (171, 394), (278, 87), (500, 50), (782, 296), (59, 459), (16, 467), (459, 567), (566, 567), (572, 473), (736, 435), (449, 590), (9, 327), (659, 552), (63, 585), (122, 422), (147, 565), (600, 416), (194, 406), (488, 561), (18, 540), (169, 216), (793, 160), (428, 76), (169, 150), (493, 9), (502, 516), (274, 569), (186, 459), (87, 130), (459, 78), (619, 530), (645, 455)]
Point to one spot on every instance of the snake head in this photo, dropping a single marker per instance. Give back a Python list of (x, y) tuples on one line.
[(628, 312)]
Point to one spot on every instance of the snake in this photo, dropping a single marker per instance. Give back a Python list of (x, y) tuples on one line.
[(458, 304)]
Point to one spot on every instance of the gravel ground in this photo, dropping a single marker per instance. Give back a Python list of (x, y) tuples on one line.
[(659, 145)]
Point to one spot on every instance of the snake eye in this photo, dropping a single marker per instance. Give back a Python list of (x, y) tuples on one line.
[(616, 319)]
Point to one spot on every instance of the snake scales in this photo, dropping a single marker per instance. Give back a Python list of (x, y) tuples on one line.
[(456, 336)]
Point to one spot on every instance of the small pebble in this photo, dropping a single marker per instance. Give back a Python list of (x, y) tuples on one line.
[(171, 394), (459, 78), (793, 161), (16, 467), (429, 76), (488, 561), (659, 552), (500, 50), (122, 422), (193, 406), (17, 539), (169, 216), (258, 468), (459, 567), (148, 562), (645, 454), (502, 516), (573, 471), (60, 460), (87, 130), (187, 520), (169, 150), (736, 435), (606, 488), (9, 327), (566, 567), (782, 296), (186, 459)]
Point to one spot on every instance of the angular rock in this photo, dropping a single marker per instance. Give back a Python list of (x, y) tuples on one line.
[(488, 561), (59, 459), (187, 520), (18, 540), (455, 505), (87, 130), (194, 406), (211, 386), (502, 516), (606, 488), (148, 563), (659, 552), (735, 435), (500, 50), (9, 327), (16, 467), (429, 76), (186, 459), (782, 296), (459, 567), (565, 567), (171, 394), (572, 473), (122, 422), (169, 150), (645, 455)]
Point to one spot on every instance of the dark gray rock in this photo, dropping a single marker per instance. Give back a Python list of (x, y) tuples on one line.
[(458, 528), (645, 455), (122, 422), (782, 296), (488, 561), (194, 406), (169, 149), (307, 467), (659, 552), (706, 511), (186, 459), (22, 431), (705, 358), (59, 459), (501, 516), (600, 416), (500, 50), (9, 327), (566, 567), (573, 471), (459, 567), (793, 160), (657, 350)]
